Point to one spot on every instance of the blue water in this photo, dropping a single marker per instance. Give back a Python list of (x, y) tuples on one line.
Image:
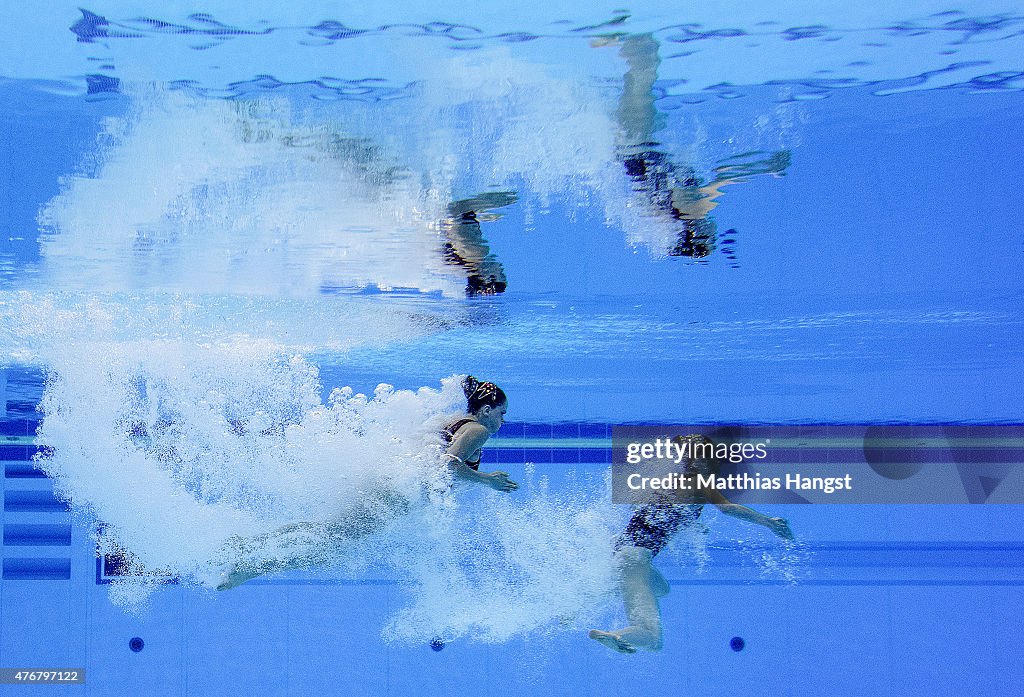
[(213, 217)]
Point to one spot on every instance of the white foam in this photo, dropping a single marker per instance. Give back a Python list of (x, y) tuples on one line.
[(182, 449), (210, 196), (177, 447), (496, 567)]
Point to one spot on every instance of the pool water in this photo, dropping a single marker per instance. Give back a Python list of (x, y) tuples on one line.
[(249, 252)]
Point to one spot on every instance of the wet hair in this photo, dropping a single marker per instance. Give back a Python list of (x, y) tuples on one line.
[(478, 285), (702, 457), (482, 394)]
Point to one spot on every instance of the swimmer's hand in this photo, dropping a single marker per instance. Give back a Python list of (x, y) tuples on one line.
[(612, 641), (780, 526), (501, 482)]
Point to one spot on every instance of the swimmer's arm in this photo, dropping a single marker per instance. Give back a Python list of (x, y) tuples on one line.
[(468, 440), (495, 480), (780, 526)]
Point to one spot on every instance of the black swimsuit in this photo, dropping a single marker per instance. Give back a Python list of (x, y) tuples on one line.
[(653, 524), (654, 175), (449, 435)]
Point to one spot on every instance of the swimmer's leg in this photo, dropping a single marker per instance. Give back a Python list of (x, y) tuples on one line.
[(637, 116), (365, 519), (640, 596), (238, 573), (659, 584)]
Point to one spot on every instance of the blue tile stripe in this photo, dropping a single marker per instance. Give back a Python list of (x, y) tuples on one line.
[(690, 582), (22, 470), (20, 532), (17, 427), (849, 582), (15, 452), (36, 569), (37, 535), (566, 443), (760, 430), (33, 501), (941, 557)]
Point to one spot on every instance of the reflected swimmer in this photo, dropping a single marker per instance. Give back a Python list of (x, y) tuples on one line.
[(466, 247), (672, 191)]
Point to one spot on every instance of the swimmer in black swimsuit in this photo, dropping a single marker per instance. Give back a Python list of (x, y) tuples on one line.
[(672, 191), (466, 247), (466, 435), (646, 534)]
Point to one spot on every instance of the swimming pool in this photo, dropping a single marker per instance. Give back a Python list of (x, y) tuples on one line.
[(796, 220)]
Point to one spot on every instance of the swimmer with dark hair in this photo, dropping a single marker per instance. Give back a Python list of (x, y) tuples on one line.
[(464, 436), (646, 534), (486, 405)]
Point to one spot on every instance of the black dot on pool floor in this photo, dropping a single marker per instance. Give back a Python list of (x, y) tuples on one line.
[(737, 643), (437, 644), (136, 644)]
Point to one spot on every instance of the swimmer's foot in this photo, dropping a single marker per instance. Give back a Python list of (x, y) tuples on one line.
[(480, 204), (607, 40), (232, 577), (612, 641)]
